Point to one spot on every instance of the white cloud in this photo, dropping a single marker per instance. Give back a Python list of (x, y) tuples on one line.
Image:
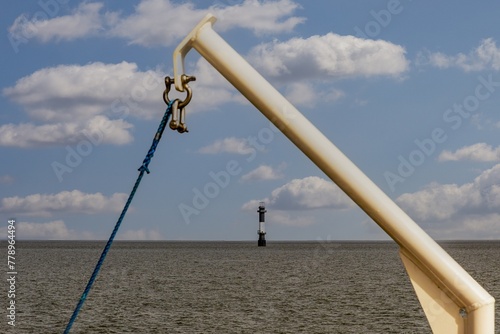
[(71, 100), (65, 201), (259, 16), (161, 22), (53, 230), (485, 56), (69, 92), (84, 21), (329, 56), (466, 228), (228, 145), (31, 135), (452, 210), (305, 194), (476, 152), (264, 172), (439, 202), (157, 22), (57, 230)]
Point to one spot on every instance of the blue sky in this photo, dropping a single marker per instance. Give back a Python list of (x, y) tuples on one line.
[(409, 91)]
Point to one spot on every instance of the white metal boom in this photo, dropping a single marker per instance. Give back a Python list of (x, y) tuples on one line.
[(452, 300)]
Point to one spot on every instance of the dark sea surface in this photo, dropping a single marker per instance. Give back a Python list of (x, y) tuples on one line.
[(228, 287)]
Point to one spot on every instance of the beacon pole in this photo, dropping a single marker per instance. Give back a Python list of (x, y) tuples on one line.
[(452, 300), (262, 218)]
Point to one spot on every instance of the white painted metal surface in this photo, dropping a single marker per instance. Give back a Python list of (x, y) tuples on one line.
[(452, 300), (261, 227)]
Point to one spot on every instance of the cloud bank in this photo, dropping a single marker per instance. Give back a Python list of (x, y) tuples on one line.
[(58, 230), (305, 194), (156, 22), (329, 56), (66, 201), (483, 57), (477, 152), (66, 103), (470, 210), (69, 102)]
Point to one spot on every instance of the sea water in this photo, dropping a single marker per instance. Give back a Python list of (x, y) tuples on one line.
[(228, 287)]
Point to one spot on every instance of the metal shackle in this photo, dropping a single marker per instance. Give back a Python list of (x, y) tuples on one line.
[(185, 80)]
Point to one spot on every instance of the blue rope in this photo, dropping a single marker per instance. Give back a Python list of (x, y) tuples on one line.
[(142, 169), (156, 140)]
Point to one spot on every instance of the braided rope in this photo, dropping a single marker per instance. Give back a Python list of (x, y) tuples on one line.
[(142, 169)]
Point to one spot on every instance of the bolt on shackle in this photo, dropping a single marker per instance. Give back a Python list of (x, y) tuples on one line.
[(178, 107)]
